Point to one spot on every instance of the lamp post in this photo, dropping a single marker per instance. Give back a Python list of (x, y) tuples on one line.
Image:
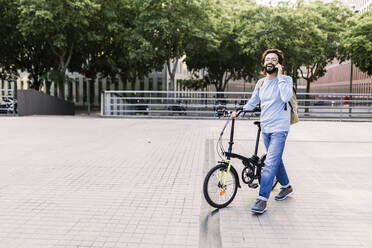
[(351, 84), (355, 10)]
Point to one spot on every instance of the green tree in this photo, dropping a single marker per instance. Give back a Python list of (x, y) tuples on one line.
[(308, 34), (10, 46), (169, 25), (21, 53), (358, 41), (64, 25), (126, 49), (215, 53), (322, 41)]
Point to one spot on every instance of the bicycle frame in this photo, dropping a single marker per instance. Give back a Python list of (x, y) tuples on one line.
[(229, 154), (227, 176)]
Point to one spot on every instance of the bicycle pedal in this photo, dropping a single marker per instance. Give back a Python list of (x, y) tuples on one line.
[(253, 185)]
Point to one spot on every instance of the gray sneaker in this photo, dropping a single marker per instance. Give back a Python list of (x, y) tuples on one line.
[(284, 193), (259, 207)]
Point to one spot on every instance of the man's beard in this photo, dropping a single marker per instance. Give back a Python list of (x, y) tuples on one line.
[(271, 70)]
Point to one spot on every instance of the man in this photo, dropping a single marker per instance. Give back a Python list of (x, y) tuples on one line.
[(273, 94)]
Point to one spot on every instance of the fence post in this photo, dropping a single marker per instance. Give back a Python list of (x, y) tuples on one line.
[(88, 95), (102, 103), (150, 104)]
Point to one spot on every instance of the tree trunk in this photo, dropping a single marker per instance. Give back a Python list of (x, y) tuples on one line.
[(124, 78), (35, 83), (62, 67), (48, 84), (219, 88), (172, 75), (134, 81), (61, 89)]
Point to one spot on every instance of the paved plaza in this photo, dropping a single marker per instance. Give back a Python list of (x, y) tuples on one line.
[(72, 182)]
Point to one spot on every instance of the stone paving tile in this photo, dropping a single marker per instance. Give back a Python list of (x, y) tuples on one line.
[(331, 205), (92, 182)]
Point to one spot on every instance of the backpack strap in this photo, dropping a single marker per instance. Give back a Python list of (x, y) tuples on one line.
[(260, 83), (290, 104)]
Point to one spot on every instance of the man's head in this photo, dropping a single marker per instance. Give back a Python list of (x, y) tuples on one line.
[(270, 58)]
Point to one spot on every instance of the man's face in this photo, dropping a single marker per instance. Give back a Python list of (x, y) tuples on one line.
[(271, 60)]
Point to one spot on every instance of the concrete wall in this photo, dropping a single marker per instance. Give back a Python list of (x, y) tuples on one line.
[(32, 102)]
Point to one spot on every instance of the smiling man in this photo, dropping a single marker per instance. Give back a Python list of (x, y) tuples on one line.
[(273, 94)]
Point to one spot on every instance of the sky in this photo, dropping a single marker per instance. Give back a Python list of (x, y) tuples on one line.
[(273, 2)]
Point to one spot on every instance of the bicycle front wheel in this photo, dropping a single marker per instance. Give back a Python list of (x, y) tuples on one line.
[(220, 186)]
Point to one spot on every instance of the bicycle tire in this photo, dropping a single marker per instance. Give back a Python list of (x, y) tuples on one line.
[(226, 199)]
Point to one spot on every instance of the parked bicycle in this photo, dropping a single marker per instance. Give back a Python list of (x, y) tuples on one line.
[(222, 181)]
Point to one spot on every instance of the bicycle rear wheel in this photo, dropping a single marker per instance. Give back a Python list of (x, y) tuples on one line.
[(220, 187)]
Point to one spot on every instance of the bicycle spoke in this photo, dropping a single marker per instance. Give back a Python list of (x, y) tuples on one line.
[(220, 187), (215, 192)]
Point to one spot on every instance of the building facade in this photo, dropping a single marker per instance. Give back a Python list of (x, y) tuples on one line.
[(341, 78)]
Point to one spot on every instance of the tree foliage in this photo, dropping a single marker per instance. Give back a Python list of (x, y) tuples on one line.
[(193, 84), (215, 53), (358, 41), (308, 34), (322, 42), (10, 44), (123, 50), (170, 25), (65, 26), (220, 40), (18, 52)]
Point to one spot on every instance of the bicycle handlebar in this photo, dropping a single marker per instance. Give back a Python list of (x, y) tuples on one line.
[(241, 110)]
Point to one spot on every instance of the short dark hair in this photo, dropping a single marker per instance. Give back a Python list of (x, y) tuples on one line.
[(276, 51)]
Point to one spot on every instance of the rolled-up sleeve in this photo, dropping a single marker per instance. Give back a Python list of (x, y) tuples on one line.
[(285, 85), (253, 101)]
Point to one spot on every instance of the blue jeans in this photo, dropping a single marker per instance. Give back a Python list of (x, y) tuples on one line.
[(274, 166)]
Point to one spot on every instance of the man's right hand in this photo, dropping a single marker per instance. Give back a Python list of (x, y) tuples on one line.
[(234, 115)]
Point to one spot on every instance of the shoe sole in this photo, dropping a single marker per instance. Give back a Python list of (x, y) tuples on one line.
[(281, 199), (258, 212)]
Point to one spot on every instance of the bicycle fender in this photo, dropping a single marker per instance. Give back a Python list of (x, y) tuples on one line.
[(235, 173)]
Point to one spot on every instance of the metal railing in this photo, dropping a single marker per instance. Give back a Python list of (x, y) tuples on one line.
[(8, 103), (213, 104)]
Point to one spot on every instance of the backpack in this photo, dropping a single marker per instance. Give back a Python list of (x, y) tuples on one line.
[(292, 103)]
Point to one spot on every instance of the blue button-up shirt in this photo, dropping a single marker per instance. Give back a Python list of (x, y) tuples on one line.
[(273, 96)]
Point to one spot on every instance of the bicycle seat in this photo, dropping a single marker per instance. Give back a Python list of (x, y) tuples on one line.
[(257, 123)]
